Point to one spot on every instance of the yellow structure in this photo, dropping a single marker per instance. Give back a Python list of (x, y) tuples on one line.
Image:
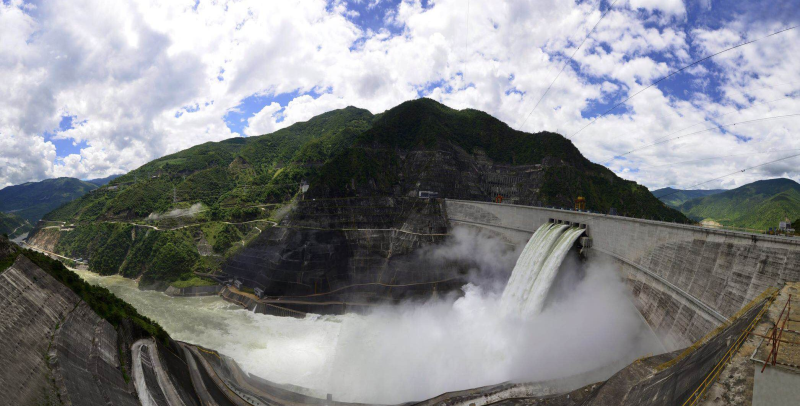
[(580, 203)]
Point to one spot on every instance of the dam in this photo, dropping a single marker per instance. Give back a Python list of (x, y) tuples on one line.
[(685, 280), (689, 287)]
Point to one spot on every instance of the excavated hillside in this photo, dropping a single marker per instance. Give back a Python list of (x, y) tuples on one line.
[(422, 145), (354, 236), (212, 207)]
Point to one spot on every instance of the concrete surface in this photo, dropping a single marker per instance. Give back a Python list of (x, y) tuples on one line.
[(32, 306), (56, 349), (776, 387), (684, 279)]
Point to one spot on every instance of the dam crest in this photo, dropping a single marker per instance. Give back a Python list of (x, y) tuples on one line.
[(684, 280)]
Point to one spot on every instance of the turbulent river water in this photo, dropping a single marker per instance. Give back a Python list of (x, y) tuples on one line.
[(416, 350)]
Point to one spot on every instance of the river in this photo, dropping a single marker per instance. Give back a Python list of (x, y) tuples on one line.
[(412, 351)]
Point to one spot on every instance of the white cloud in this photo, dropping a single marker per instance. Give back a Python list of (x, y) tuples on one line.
[(673, 7), (141, 76)]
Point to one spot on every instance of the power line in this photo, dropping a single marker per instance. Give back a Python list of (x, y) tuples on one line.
[(567, 63), (730, 174), (718, 157), (466, 49), (663, 141), (679, 71), (716, 118)]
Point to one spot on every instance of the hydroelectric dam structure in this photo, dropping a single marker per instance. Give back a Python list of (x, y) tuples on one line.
[(685, 280)]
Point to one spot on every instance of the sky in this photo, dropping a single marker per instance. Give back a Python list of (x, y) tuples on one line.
[(92, 88)]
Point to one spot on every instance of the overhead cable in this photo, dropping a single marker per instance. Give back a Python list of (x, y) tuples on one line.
[(730, 174), (663, 141), (567, 63), (679, 71)]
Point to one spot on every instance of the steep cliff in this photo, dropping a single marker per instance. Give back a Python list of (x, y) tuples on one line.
[(422, 145)]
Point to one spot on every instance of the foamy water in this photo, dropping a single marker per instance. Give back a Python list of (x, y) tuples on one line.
[(412, 351), (536, 269)]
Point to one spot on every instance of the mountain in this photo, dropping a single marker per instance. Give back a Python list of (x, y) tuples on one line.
[(102, 181), (468, 154), (32, 200), (13, 226), (227, 174), (676, 197), (758, 205), (222, 188)]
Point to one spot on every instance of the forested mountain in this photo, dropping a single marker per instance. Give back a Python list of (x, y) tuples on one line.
[(676, 197), (758, 205), (32, 200), (468, 154), (136, 225), (102, 181), (13, 226)]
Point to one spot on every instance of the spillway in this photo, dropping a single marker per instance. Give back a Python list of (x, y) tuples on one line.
[(536, 269)]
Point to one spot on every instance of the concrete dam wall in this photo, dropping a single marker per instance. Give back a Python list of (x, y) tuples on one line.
[(56, 349), (685, 280)]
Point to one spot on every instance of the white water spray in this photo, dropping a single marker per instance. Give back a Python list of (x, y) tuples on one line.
[(536, 269), (415, 351)]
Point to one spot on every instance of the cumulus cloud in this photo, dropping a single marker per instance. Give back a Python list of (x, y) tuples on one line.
[(144, 78)]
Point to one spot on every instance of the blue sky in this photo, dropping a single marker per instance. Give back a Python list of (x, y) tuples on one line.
[(101, 89), (64, 147)]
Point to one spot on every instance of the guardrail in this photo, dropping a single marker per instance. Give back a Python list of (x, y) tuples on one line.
[(740, 234)]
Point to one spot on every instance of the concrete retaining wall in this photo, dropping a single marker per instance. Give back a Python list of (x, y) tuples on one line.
[(55, 350), (685, 279), (85, 362), (194, 291), (32, 304)]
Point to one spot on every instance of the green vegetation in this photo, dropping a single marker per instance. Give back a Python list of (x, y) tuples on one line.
[(192, 282), (245, 179), (101, 300), (32, 200), (159, 257), (229, 176), (675, 197), (758, 205), (13, 226), (374, 163)]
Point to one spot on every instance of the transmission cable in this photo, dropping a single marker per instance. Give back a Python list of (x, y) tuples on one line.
[(701, 122), (664, 141), (466, 50), (718, 157), (567, 63), (730, 174), (679, 71)]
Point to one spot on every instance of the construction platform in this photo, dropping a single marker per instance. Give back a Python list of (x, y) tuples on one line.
[(766, 369)]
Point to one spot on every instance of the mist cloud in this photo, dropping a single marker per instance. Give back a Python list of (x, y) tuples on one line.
[(418, 350), (191, 211)]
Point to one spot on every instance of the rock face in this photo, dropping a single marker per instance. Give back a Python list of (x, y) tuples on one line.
[(56, 349), (44, 238), (422, 145), (355, 246), (453, 172)]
